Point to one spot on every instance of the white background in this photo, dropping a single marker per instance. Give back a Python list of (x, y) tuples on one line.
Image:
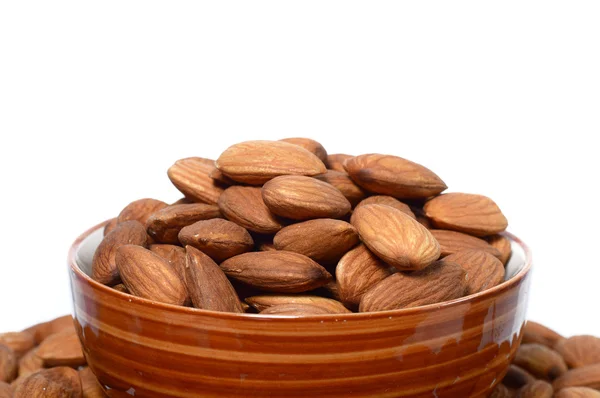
[(97, 99)]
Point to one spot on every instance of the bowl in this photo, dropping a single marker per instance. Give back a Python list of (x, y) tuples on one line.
[(137, 347)]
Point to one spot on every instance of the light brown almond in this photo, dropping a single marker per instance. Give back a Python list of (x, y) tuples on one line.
[(517, 377), (9, 364), (220, 178), (277, 271), (20, 342), (452, 242), (536, 389), (220, 239), (395, 237), (357, 272), (579, 351), (325, 240), (110, 225), (149, 276), (256, 162), (140, 210), (441, 281), (540, 334), (577, 392), (245, 206), (472, 214), (587, 376), (42, 330), (394, 176), (501, 391), (61, 349), (303, 198), (310, 145), (502, 244), (191, 176), (388, 201), (59, 382), (541, 361), (104, 268), (484, 271), (208, 286), (344, 184), (297, 309), (89, 384), (336, 161), (164, 225), (30, 363), (261, 303)]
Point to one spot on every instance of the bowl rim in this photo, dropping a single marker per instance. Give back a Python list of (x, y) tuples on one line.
[(486, 294)]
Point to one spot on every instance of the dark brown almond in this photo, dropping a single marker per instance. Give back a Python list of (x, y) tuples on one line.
[(536, 389), (140, 210), (472, 214), (441, 281), (164, 225), (579, 351), (260, 303), (395, 237), (331, 290), (303, 198), (208, 286), (517, 377), (577, 392), (277, 271), (310, 145), (89, 384), (59, 382), (541, 361), (452, 242), (344, 184), (220, 239), (357, 272), (42, 330), (104, 268), (394, 176), (502, 244), (61, 349), (245, 206), (192, 177), (388, 201), (336, 161), (30, 363), (484, 271), (149, 276), (20, 342), (587, 376), (540, 334), (325, 240), (256, 162), (9, 364), (297, 309), (110, 225)]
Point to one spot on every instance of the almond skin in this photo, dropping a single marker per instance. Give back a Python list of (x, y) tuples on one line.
[(220, 239), (20, 342), (441, 281), (303, 198), (587, 376), (104, 268), (175, 256), (140, 210), (483, 270), (517, 377), (149, 276), (191, 177), (164, 225), (536, 389), (389, 201), (541, 361), (297, 309), (357, 272), (30, 363), (344, 184), (61, 349), (452, 242), (502, 244), (260, 303), (89, 384), (256, 162), (324, 240), (245, 207), (394, 176), (336, 161), (8, 364), (208, 286), (42, 330), (310, 145), (59, 382), (579, 351), (577, 392), (395, 237), (469, 213), (540, 334), (277, 271)]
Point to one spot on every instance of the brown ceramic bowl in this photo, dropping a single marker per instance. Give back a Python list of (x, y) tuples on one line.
[(142, 348)]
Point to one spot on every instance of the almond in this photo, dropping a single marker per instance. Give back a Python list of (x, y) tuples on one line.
[(121, 288), (60, 382), (577, 392), (579, 351), (395, 237), (324, 240), (104, 268), (277, 271), (42, 330), (220, 178), (245, 206), (164, 225), (175, 255), (261, 303), (394, 176), (218, 238), (191, 177), (30, 363), (208, 286), (502, 244), (296, 309), (336, 161), (20, 342), (501, 391), (110, 226), (452, 242), (517, 377), (140, 210), (61, 349), (536, 389), (149, 276), (388, 201), (5, 390), (587, 376), (441, 281), (357, 272), (89, 384), (8, 364), (310, 145), (303, 198), (256, 162), (472, 214), (344, 184), (484, 271), (540, 361), (540, 334)]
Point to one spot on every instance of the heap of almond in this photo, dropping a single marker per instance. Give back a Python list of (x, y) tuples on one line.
[(291, 230)]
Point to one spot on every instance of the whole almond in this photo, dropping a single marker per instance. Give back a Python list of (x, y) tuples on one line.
[(191, 176), (388, 201), (517, 377), (540, 334), (30, 363), (501, 391), (536, 389), (140, 210), (577, 392), (303, 198), (208, 286), (149, 276), (394, 176), (104, 268), (587, 376), (59, 382), (220, 239), (452, 242), (502, 244), (579, 351), (261, 303), (42, 330), (310, 145), (277, 271), (89, 384), (164, 225), (395, 237), (472, 214), (541, 361), (9, 364), (344, 184), (61, 349), (297, 309), (20, 342), (324, 240), (245, 206), (357, 272), (110, 226), (441, 281), (483, 270), (256, 162), (336, 161)]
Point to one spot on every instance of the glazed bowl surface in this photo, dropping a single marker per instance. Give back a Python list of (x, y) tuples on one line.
[(138, 347)]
